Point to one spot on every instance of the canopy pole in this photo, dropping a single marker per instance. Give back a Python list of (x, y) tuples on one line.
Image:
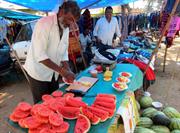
[(165, 56), (162, 35), (17, 58)]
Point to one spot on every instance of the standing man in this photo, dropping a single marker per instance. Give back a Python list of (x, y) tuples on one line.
[(106, 27), (48, 54)]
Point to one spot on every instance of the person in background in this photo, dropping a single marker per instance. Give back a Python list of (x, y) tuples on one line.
[(106, 27), (48, 54), (85, 40)]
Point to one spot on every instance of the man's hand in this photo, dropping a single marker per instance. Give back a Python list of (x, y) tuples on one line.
[(68, 75)]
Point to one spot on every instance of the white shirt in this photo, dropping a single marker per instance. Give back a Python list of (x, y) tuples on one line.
[(105, 30), (46, 44), (84, 40)]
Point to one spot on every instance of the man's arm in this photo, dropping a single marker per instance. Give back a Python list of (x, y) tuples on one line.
[(95, 32)]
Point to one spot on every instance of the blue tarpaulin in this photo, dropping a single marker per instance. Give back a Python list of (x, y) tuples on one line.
[(17, 15), (49, 5)]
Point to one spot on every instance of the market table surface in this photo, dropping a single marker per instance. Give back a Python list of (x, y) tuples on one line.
[(102, 86)]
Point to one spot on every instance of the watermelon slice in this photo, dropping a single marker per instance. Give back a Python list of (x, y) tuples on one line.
[(106, 105), (24, 106), (82, 124), (106, 95), (63, 128), (55, 105), (44, 125), (35, 109), (69, 112), (20, 114), (31, 123), (41, 119), (34, 131), (21, 123), (107, 100), (46, 97), (68, 95), (47, 130), (13, 118), (110, 111), (93, 118), (78, 98), (55, 119), (71, 101), (43, 111), (57, 94), (99, 113)]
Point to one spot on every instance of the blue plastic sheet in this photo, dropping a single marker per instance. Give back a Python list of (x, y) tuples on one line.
[(49, 5), (17, 15)]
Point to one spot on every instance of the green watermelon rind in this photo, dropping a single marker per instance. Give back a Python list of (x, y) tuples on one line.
[(139, 129), (149, 112), (160, 129), (175, 124), (145, 101), (175, 131), (145, 122), (171, 112)]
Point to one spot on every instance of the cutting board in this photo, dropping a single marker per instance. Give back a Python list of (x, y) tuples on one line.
[(80, 86)]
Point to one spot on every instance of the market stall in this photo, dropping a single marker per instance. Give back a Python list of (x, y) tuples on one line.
[(105, 87)]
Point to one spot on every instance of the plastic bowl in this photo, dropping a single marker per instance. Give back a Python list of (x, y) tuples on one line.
[(157, 105)]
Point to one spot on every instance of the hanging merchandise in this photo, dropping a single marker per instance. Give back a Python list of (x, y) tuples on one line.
[(3, 29)]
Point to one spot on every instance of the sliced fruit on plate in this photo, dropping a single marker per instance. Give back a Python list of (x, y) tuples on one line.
[(55, 119), (104, 99), (103, 115), (71, 101), (110, 111), (123, 79), (126, 74), (68, 95), (107, 95), (63, 128), (119, 86), (31, 122), (24, 106), (57, 93), (106, 105), (107, 79), (69, 112), (46, 97), (92, 117), (82, 124)]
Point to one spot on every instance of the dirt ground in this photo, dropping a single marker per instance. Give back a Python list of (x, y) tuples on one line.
[(14, 88)]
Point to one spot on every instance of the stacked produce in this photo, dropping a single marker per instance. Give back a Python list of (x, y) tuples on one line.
[(50, 115), (152, 120)]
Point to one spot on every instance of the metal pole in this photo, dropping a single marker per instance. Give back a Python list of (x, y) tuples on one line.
[(163, 33), (165, 55)]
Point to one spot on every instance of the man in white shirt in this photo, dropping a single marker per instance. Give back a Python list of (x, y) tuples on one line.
[(48, 54), (106, 27)]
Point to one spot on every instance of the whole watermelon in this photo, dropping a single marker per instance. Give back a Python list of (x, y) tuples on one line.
[(138, 105), (175, 124), (160, 129), (149, 112), (175, 131), (145, 101), (145, 122), (161, 119), (143, 130), (159, 113), (171, 112)]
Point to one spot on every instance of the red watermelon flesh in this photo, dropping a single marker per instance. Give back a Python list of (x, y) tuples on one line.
[(44, 111), (20, 114), (41, 119), (69, 112), (78, 98), (93, 118), (99, 113), (44, 125), (82, 124), (61, 100), (110, 111), (35, 108), (24, 106), (107, 100), (46, 97), (34, 131), (47, 130), (63, 128), (106, 95), (57, 94), (55, 119), (13, 118), (71, 101), (55, 105), (68, 95), (21, 123), (31, 122), (106, 105)]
